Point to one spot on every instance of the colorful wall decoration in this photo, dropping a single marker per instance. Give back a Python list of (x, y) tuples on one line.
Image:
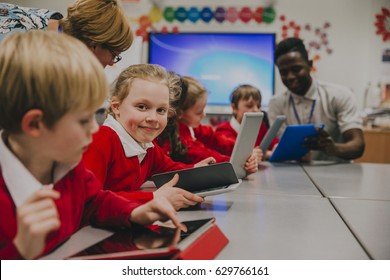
[(219, 14), (318, 37), (383, 24), (147, 22), (160, 18)]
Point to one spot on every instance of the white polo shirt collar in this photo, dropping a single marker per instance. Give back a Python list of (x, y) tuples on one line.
[(20, 182), (234, 124), (130, 146)]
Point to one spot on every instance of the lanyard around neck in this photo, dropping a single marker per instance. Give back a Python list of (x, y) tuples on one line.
[(296, 112)]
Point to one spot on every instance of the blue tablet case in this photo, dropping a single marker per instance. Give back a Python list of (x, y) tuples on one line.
[(290, 145)]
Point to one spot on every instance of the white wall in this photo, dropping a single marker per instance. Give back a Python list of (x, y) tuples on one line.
[(357, 50)]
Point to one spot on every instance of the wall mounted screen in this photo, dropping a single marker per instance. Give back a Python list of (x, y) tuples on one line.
[(220, 61)]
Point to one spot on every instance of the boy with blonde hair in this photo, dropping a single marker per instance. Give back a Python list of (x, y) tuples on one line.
[(50, 87)]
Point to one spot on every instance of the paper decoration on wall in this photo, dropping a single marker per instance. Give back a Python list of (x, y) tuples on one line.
[(315, 58), (289, 26), (245, 14), (181, 14), (155, 14), (383, 24), (315, 39), (205, 14), (231, 14), (269, 15), (145, 22), (258, 15), (219, 14), (169, 14), (321, 38), (193, 14)]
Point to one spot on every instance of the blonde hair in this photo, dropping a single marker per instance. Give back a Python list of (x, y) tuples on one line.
[(48, 71), (194, 91), (98, 22), (150, 72)]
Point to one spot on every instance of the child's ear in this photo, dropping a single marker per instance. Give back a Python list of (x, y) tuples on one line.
[(115, 104), (32, 122)]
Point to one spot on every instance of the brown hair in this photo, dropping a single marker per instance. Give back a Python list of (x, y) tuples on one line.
[(245, 92), (195, 91)]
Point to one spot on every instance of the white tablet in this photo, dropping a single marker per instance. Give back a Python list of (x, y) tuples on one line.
[(271, 133), (245, 142)]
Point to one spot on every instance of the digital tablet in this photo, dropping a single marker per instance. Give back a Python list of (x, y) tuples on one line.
[(272, 133), (245, 141), (204, 181), (291, 143), (153, 242)]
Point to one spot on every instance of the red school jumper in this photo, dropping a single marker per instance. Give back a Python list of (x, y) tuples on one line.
[(106, 158), (227, 130), (206, 144), (81, 202)]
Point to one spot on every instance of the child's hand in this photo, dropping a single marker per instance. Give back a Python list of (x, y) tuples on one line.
[(269, 153), (158, 209), (206, 161), (251, 165), (36, 218), (258, 153), (178, 197)]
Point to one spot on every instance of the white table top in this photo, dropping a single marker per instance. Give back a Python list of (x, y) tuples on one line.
[(357, 180), (369, 220), (279, 179), (279, 227), (288, 217), (285, 211)]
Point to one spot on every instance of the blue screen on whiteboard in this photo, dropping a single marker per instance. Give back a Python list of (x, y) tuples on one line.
[(220, 61)]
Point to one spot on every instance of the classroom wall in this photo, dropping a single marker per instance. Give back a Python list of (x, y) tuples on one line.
[(356, 57)]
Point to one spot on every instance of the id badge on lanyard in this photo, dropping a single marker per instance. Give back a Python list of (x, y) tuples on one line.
[(296, 112)]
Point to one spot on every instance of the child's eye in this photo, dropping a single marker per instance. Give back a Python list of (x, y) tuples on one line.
[(162, 110), (86, 121), (141, 107)]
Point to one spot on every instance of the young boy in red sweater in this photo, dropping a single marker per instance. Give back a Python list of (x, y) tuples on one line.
[(245, 98), (122, 154), (50, 87)]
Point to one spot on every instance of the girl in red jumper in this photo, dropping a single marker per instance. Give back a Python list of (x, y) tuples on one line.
[(201, 141), (50, 87), (245, 98), (122, 154)]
